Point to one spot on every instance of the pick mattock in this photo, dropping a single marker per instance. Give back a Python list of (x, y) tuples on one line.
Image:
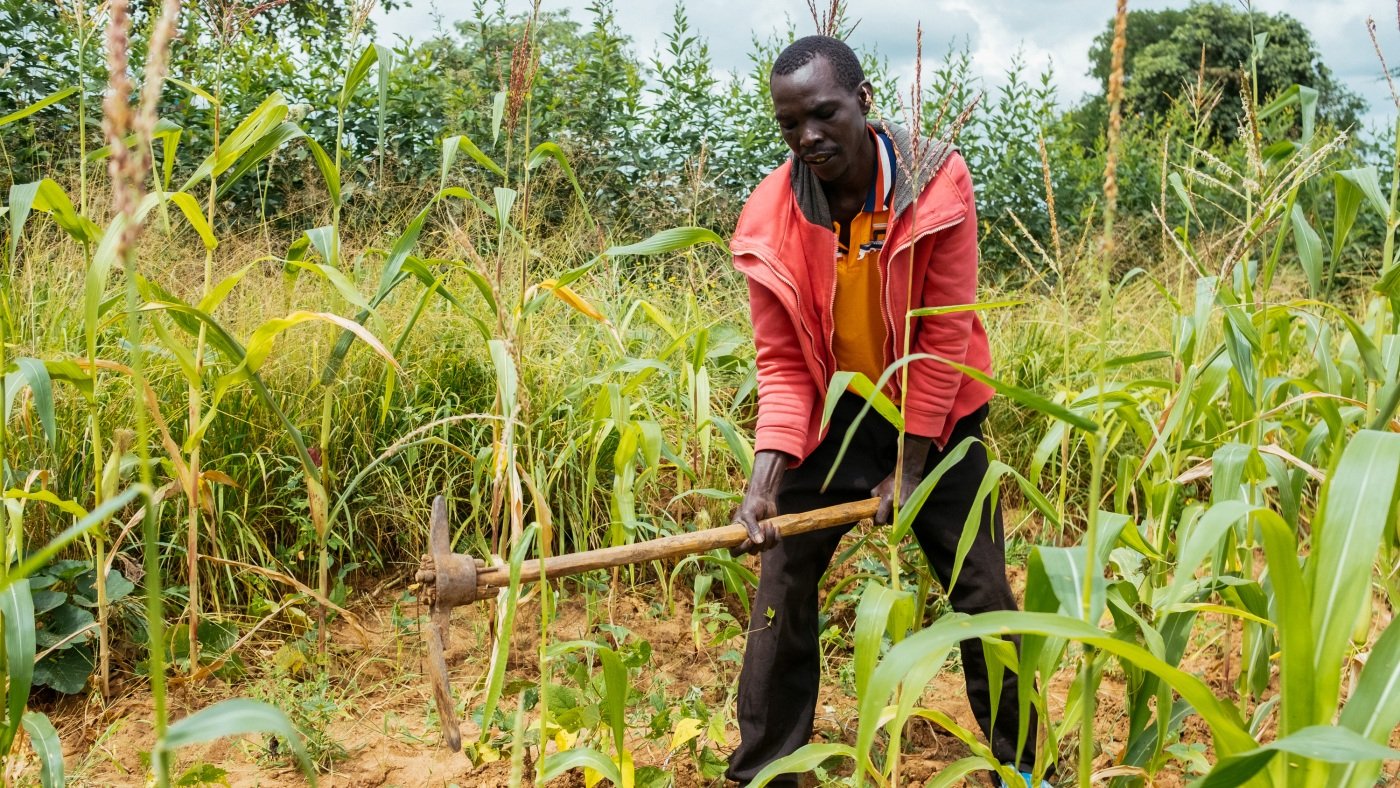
[(451, 579)]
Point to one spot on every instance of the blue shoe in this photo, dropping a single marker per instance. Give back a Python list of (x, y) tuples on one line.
[(1030, 782)]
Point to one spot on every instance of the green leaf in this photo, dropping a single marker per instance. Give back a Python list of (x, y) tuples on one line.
[(65, 670), (950, 775), (17, 608), (40, 557), (44, 739), (1373, 709), (46, 196), (118, 587), (556, 763), (933, 311), (669, 240), (260, 343), (190, 207), (505, 625), (1203, 538), (1358, 502), (547, 151), (1227, 729), (34, 374), (739, 446), (1367, 180), (1327, 743), (498, 113), (614, 697), (881, 609), (805, 759), (449, 155), (47, 101), (198, 91), (236, 717), (359, 71), (506, 381), (1309, 245)]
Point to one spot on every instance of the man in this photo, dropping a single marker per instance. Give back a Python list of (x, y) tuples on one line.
[(825, 242)]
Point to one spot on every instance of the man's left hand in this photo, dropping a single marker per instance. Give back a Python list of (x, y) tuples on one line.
[(916, 450)]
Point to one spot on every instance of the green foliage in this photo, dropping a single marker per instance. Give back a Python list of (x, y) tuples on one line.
[(1168, 48)]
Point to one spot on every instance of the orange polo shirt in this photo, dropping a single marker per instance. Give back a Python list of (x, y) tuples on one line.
[(858, 338)]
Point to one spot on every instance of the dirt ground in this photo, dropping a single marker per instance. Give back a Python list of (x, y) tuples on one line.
[(386, 724)]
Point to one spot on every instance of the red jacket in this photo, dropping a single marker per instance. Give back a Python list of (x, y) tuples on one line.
[(790, 265)]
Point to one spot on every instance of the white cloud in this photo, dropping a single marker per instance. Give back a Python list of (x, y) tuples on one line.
[(1046, 32)]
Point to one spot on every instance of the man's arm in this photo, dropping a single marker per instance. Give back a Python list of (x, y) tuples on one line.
[(786, 396)]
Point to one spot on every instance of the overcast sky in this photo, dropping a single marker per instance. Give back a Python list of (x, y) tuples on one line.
[(1054, 32)]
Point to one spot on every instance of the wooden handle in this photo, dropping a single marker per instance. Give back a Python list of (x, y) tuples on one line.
[(674, 546)]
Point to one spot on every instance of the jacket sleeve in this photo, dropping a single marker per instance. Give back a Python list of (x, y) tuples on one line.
[(951, 279), (786, 393)]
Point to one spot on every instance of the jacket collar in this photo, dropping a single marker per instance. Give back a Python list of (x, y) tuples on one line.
[(916, 169)]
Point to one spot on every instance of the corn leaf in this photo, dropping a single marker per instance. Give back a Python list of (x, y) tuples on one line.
[(190, 207), (1358, 502), (881, 610), (1227, 729), (17, 609), (1309, 246), (803, 760), (260, 343), (556, 763), (1328, 743), (237, 717), (46, 101), (48, 197), (933, 311), (505, 625), (34, 374), (44, 739), (449, 155), (94, 519), (1373, 710)]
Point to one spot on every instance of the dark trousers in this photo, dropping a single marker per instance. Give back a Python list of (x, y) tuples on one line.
[(782, 662)]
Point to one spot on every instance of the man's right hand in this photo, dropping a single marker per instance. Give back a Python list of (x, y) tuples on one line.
[(761, 503)]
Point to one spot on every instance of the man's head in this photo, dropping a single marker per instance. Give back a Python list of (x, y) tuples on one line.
[(820, 100)]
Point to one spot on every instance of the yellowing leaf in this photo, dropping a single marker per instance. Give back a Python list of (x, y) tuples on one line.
[(219, 477), (686, 730), (568, 296)]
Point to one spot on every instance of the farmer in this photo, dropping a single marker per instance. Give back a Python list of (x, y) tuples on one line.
[(824, 242)]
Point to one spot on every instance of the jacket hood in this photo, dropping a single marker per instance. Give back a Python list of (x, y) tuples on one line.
[(916, 170)]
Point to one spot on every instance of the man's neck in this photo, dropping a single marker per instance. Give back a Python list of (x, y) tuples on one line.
[(848, 193)]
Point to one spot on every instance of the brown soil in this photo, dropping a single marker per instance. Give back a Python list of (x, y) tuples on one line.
[(385, 719)]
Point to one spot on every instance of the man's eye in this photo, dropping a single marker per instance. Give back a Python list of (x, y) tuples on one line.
[(825, 114)]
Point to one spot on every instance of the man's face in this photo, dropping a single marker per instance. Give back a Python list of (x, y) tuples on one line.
[(822, 122)]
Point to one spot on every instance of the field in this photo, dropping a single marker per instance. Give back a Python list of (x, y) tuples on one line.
[(247, 339)]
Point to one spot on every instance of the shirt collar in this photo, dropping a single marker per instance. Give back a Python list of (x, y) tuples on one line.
[(882, 180)]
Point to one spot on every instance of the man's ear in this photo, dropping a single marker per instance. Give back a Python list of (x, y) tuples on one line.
[(866, 91)]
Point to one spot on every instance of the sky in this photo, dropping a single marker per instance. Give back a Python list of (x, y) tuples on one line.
[(1046, 32)]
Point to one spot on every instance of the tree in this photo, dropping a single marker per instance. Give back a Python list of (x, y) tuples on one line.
[(1168, 48)]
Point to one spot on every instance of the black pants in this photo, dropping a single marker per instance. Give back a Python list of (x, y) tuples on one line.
[(782, 671)]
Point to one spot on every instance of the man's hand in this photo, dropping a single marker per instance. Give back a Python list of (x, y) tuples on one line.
[(915, 455), (760, 503)]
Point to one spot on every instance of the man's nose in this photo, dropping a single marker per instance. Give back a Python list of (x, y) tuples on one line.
[(810, 137)]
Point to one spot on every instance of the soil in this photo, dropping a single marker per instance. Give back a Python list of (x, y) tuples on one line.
[(383, 715)]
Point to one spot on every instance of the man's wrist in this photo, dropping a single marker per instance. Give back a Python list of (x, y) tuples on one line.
[(768, 468), (916, 450)]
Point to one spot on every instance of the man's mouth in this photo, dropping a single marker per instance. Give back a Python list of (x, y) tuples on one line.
[(817, 159)]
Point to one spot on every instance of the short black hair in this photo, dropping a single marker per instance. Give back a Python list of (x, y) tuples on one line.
[(842, 59)]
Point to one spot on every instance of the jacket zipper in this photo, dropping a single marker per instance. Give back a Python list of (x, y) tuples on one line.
[(886, 308), (797, 296)]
